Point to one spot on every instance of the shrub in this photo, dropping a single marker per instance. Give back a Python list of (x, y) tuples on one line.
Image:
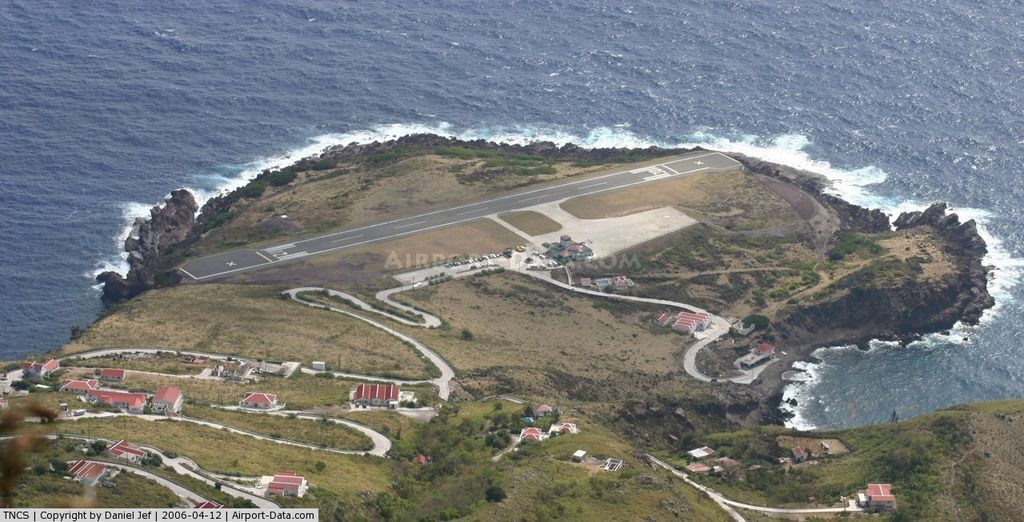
[(759, 321), (281, 178), (466, 335), (494, 493)]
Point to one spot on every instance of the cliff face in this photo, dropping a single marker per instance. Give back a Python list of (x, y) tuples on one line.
[(148, 244), (910, 308)]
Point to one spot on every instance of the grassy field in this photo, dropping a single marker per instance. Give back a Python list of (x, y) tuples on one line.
[(731, 199), (249, 321), (124, 491), (531, 222), (168, 362), (533, 338), (327, 434), (221, 452)]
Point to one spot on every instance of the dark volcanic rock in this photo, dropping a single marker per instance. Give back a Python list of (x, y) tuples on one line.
[(147, 244)]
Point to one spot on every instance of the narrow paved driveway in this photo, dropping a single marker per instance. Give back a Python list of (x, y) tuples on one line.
[(728, 504), (177, 489), (381, 444)]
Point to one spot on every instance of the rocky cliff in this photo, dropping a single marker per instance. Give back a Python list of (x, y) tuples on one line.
[(148, 245)]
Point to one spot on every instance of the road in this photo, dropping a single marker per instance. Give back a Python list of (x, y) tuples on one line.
[(728, 504), (177, 489), (226, 263), (381, 444), (443, 382)]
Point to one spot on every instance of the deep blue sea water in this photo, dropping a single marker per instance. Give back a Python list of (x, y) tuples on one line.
[(106, 106)]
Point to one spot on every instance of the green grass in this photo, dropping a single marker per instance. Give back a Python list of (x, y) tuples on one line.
[(327, 434)]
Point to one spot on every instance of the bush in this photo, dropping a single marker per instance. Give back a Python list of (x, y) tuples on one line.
[(466, 335), (253, 190), (281, 178), (494, 493), (759, 321)]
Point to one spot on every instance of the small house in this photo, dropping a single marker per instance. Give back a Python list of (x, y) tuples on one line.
[(698, 468), (40, 369), (586, 282), (112, 375), (126, 451), (603, 283), (531, 435), (759, 354), (130, 402), (563, 428), (375, 395), (701, 453), (424, 459), (80, 387), (87, 472), (168, 400), (799, 454), (258, 401), (622, 282), (541, 410), (665, 319), (286, 484), (579, 455), (877, 496)]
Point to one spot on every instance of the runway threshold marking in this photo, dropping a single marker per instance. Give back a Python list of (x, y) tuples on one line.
[(263, 256)]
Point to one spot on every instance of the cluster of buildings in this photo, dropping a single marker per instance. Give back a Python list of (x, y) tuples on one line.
[(167, 399), (283, 483), (380, 396), (759, 354), (684, 322), (535, 434), (703, 463), (40, 369)]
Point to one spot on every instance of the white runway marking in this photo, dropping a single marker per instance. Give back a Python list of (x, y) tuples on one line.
[(410, 224), (264, 257), (347, 238)]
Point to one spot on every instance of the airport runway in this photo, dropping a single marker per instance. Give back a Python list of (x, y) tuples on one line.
[(234, 261)]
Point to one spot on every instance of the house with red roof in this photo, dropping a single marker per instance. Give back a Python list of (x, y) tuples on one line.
[(532, 434), (258, 401), (689, 322), (112, 375), (759, 354), (586, 282), (702, 452), (877, 496), (208, 504), (665, 319), (168, 400), (130, 402), (541, 410), (698, 468), (423, 459), (87, 472), (285, 483), (80, 387), (563, 428), (799, 454), (125, 451), (375, 395), (40, 369)]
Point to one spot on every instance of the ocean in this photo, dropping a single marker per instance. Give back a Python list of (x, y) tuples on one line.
[(107, 106)]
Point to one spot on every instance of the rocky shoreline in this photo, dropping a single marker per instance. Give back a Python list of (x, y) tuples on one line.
[(903, 313)]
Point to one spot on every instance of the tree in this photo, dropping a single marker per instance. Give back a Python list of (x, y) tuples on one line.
[(758, 321), (467, 335), (494, 493), (320, 465)]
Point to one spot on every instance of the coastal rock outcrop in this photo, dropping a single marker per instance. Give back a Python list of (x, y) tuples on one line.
[(148, 244)]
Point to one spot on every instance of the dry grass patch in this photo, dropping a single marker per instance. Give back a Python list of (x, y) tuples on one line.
[(250, 321), (533, 223), (322, 433), (526, 328), (730, 199), (222, 452)]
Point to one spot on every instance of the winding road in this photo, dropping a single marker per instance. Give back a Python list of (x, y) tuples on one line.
[(443, 382)]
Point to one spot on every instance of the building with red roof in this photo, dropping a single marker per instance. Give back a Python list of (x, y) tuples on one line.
[(586, 282), (697, 467), (877, 496), (168, 400), (285, 483), (799, 454), (40, 369), (87, 472), (112, 374), (532, 434), (566, 428), (689, 322), (764, 349), (541, 410), (80, 387), (376, 395), (258, 401), (130, 402), (665, 319), (125, 451)]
